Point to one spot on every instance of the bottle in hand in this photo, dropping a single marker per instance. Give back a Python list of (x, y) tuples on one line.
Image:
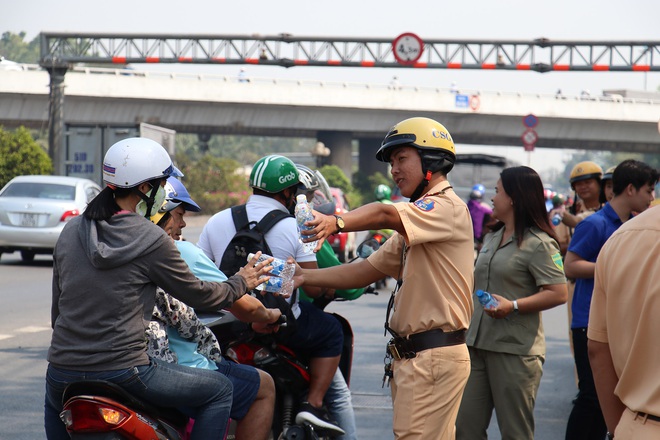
[(487, 300), (304, 214)]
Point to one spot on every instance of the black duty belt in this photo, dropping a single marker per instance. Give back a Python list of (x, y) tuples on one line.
[(408, 347), (647, 416)]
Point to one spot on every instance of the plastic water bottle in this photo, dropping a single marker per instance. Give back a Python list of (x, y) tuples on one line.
[(281, 276), (274, 284), (556, 219), (304, 214), (487, 300), (278, 264)]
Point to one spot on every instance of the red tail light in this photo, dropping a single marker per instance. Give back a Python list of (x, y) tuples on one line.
[(91, 416), (68, 215)]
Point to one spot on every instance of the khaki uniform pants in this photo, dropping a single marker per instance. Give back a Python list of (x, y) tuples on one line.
[(507, 383), (426, 393)]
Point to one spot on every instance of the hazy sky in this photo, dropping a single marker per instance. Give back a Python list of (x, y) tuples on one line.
[(604, 20)]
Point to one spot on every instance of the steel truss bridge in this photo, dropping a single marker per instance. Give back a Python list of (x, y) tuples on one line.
[(541, 55)]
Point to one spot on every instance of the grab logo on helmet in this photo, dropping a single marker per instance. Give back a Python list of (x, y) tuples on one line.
[(287, 178)]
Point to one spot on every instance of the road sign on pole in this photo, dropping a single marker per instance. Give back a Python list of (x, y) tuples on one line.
[(530, 121), (407, 48), (529, 138)]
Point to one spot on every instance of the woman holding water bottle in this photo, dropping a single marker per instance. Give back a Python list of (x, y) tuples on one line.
[(521, 267)]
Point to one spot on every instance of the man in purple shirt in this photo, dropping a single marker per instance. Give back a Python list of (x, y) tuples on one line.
[(479, 211)]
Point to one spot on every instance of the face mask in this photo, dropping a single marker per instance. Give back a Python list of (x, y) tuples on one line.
[(141, 207)]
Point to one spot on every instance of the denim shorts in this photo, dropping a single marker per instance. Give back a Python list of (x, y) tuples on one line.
[(245, 380)]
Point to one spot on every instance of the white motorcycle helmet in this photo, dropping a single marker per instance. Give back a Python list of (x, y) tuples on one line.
[(133, 161)]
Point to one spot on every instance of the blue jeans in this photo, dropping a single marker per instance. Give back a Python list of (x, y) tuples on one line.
[(204, 395), (338, 401)]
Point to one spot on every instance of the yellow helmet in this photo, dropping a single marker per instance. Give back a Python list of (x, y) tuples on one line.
[(585, 170), (425, 134), (608, 173)]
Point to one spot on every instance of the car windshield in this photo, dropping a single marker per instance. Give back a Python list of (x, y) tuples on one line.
[(40, 191)]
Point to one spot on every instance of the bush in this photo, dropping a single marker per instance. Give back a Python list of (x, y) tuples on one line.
[(21, 155), (213, 182)]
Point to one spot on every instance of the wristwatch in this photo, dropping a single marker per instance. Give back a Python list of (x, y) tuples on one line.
[(515, 306), (340, 224)]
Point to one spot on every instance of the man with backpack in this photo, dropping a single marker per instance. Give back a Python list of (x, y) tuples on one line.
[(275, 181)]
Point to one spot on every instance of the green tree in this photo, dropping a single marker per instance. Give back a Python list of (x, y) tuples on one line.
[(14, 48), (21, 155), (336, 178), (213, 182)]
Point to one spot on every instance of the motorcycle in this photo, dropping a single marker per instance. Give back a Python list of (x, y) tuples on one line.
[(101, 410), (380, 237), (289, 369)]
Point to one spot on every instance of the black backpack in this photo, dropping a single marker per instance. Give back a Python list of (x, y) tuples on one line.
[(250, 238)]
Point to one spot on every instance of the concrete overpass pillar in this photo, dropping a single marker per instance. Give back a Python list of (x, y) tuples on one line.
[(367, 163), (341, 149), (56, 119)]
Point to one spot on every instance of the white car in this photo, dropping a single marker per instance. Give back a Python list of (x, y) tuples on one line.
[(34, 210)]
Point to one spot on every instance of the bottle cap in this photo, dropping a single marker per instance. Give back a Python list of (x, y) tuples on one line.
[(250, 256), (301, 198), (479, 292)]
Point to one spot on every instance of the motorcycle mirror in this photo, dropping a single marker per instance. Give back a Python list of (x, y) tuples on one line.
[(367, 247)]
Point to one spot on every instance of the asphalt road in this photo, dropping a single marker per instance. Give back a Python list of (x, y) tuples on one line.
[(25, 336)]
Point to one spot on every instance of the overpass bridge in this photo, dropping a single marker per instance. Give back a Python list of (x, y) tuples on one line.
[(335, 113)]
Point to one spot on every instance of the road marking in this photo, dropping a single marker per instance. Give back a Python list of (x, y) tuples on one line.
[(28, 329), (32, 329)]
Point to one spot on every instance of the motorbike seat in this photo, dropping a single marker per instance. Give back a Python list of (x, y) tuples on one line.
[(112, 391)]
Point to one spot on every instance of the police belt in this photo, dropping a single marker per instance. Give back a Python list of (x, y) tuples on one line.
[(408, 348)]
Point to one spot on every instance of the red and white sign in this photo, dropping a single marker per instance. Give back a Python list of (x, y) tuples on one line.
[(475, 103), (407, 48), (529, 138)]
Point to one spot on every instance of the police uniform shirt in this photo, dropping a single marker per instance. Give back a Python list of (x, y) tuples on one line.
[(439, 261), (514, 272), (625, 309)]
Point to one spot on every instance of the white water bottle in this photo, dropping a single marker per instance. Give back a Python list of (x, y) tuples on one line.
[(487, 300), (304, 214)]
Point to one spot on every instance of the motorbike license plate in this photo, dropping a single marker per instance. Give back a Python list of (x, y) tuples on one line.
[(29, 220)]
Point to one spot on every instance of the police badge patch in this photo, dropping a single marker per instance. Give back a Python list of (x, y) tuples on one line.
[(425, 204)]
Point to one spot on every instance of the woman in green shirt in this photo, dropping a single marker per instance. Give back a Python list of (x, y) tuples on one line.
[(520, 265)]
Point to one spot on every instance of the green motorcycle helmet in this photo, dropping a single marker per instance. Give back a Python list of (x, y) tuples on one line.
[(383, 192), (273, 174)]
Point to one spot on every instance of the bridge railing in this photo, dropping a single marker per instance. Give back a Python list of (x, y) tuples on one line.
[(188, 76)]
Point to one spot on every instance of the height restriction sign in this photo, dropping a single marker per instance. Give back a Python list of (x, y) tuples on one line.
[(407, 48)]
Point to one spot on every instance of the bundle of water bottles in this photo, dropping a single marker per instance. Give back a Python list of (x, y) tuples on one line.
[(281, 276)]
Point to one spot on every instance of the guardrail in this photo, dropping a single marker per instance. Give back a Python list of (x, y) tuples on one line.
[(133, 72)]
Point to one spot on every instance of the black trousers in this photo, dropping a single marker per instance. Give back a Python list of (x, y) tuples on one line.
[(586, 421)]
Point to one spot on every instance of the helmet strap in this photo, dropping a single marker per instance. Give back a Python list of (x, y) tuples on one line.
[(149, 200), (422, 186)]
